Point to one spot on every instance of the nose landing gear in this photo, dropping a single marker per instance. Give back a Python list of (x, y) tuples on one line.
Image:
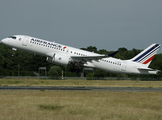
[(13, 49)]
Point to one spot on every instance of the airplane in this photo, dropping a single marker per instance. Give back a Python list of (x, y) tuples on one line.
[(63, 55)]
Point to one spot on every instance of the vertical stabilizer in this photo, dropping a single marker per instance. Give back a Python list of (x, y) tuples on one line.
[(146, 56)]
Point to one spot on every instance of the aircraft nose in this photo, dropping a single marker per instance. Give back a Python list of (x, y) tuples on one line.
[(4, 41)]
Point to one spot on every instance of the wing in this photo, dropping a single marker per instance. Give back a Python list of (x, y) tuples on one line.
[(84, 59)]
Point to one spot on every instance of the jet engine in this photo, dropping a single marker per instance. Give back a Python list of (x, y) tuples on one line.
[(59, 59)]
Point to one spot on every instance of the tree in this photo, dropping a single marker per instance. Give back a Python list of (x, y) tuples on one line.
[(1, 60), (55, 71), (100, 73), (90, 48), (103, 51)]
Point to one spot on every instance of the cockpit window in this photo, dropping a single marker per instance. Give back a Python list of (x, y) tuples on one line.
[(13, 37)]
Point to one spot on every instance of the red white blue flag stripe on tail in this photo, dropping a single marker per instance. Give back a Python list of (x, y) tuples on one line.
[(147, 55)]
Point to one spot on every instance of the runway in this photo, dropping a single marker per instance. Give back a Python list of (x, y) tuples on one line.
[(70, 88)]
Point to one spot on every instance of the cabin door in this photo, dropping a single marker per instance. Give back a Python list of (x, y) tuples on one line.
[(25, 41)]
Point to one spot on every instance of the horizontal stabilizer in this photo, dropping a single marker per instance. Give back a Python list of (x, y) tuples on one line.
[(149, 70)]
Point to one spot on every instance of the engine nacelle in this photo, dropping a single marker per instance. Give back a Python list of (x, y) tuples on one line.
[(59, 59)]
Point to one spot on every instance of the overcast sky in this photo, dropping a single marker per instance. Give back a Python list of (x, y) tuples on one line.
[(106, 24)]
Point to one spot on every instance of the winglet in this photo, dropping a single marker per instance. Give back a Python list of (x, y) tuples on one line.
[(113, 54)]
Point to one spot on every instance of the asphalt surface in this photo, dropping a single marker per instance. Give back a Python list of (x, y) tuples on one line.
[(70, 88)]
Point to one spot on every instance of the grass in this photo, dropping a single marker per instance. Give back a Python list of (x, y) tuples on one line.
[(80, 105), (50, 107), (81, 83)]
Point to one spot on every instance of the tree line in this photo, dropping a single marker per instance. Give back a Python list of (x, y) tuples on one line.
[(25, 63)]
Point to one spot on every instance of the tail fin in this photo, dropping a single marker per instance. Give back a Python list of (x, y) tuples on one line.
[(146, 56)]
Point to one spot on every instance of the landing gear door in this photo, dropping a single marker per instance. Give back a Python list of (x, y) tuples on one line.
[(25, 41)]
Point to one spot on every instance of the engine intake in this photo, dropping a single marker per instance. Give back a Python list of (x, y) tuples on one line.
[(59, 59)]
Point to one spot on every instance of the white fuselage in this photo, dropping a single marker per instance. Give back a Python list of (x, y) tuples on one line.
[(43, 47)]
